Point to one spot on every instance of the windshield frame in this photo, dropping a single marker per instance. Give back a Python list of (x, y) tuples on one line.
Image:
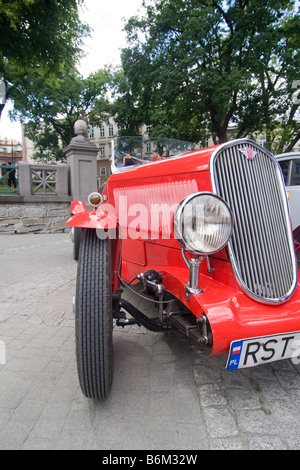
[(169, 145)]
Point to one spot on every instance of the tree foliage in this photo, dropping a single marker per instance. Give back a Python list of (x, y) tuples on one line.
[(38, 35), (201, 67), (50, 110), (125, 104)]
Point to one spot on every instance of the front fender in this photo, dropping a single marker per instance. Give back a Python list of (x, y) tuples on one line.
[(102, 218), (105, 222), (232, 315), (77, 207)]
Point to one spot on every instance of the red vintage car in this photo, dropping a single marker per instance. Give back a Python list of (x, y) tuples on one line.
[(206, 236)]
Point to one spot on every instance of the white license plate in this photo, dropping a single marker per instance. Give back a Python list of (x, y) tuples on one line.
[(255, 351)]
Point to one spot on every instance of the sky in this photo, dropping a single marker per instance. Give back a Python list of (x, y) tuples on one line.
[(102, 48), (106, 19)]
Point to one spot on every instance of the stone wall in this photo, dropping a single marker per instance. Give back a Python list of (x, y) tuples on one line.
[(40, 216), (46, 191)]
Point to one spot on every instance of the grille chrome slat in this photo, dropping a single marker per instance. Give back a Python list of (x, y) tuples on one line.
[(264, 258), (261, 248), (245, 226), (275, 215), (249, 216)]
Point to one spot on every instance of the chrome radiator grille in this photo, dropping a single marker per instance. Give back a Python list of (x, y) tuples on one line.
[(248, 178)]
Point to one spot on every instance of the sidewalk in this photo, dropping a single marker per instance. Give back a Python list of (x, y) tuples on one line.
[(166, 394)]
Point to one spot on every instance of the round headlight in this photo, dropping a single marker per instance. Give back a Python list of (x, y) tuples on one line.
[(95, 199), (203, 223)]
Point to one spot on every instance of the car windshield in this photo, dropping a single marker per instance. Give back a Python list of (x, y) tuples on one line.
[(137, 150)]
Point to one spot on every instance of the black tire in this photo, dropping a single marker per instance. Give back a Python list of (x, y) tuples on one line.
[(94, 320), (76, 241)]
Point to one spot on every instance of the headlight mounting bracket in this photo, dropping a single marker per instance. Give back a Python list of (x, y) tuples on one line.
[(192, 287)]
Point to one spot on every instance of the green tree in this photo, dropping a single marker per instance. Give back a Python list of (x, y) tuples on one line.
[(125, 105), (202, 65), (42, 35), (50, 110)]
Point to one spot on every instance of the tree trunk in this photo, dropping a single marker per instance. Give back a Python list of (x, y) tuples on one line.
[(2, 106), (219, 128)]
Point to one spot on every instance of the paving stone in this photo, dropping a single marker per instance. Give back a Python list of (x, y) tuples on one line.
[(220, 422), (166, 394)]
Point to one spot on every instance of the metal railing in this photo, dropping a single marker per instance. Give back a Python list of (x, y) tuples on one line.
[(8, 179)]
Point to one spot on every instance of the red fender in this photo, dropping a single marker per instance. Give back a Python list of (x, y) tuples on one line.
[(77, 207), (102, 218)]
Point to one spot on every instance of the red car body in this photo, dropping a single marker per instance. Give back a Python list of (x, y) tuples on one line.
[(233, 310)]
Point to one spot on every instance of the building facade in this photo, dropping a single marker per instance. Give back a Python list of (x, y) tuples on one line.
[(10, 152), (101, 137)]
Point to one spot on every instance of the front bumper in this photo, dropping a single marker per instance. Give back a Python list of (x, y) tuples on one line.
[(233, 315)]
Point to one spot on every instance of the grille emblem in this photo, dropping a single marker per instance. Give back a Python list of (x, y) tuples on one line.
[(248, 152)]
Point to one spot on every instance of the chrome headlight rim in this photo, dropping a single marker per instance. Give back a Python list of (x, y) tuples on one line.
[(178, 225), (96, 195)]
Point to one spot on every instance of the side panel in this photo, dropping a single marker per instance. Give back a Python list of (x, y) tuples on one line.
[(133, 251), (145, 210)]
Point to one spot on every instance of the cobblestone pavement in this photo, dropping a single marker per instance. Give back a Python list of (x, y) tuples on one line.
[(166, 394)]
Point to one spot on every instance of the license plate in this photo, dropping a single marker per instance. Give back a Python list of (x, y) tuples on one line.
[(255, 351)]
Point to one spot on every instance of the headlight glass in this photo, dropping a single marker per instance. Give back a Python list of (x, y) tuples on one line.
[(203, 223)]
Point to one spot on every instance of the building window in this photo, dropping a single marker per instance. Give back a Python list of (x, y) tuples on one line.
[(102, 150), (148, 148), (102, 131), (110, 130), (103, 171), (148, 129), (91, 132)]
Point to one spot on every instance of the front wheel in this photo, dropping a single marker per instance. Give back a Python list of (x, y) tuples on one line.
[(76, 240), (94, 320)]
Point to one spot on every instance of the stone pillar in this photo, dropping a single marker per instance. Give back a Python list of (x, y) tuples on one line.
[(24, 176), (81, 156), (62, 179)]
